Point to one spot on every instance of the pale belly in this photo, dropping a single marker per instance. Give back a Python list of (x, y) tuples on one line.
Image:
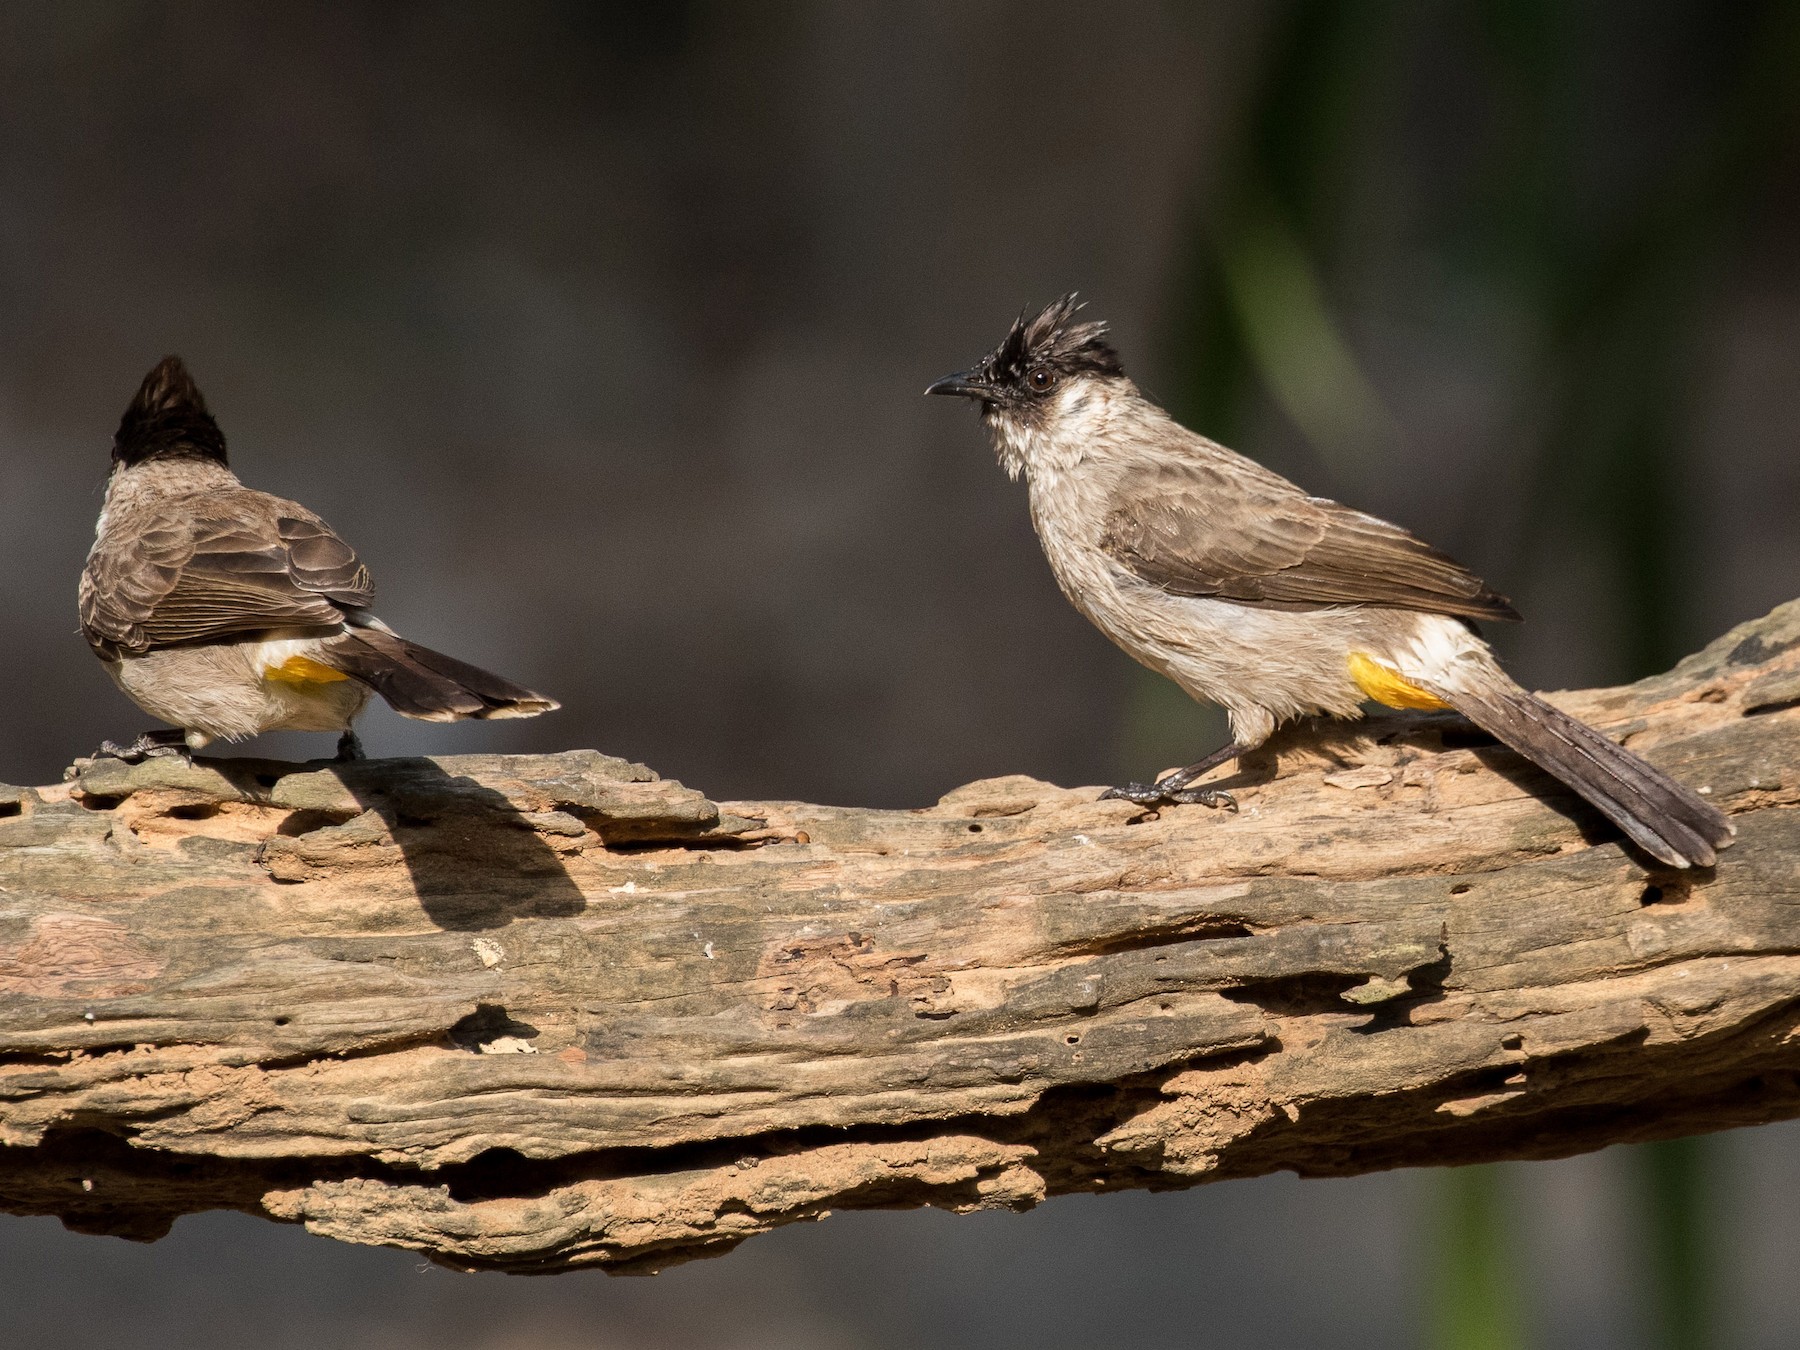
[(231, 692), (1264, 666), (1247, 659)]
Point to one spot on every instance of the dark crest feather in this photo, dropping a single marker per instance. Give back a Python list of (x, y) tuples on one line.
[(168, 420), (1053, 338)]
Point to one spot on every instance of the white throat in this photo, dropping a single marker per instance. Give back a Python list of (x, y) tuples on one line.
[(1082, 416)]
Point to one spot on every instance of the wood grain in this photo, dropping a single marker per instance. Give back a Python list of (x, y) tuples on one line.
[(537, 1012)]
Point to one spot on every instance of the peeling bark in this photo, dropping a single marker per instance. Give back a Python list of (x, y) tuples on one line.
[(537, 1012)]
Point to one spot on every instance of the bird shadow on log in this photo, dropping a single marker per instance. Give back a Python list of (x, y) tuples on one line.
[(475, 860)]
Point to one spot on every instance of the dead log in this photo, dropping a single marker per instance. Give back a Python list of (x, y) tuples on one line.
[(538, 1012)]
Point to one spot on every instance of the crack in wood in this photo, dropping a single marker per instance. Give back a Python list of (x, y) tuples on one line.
[(534, 1012)]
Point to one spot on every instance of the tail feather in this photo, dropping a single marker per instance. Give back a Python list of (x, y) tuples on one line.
[(418, 682), (1665, 819)]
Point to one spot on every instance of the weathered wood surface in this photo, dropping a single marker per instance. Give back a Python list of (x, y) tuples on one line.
[(538, 1012)]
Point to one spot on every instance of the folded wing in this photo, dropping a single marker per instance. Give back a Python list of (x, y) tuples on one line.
[(1238, 532), (240, 563)]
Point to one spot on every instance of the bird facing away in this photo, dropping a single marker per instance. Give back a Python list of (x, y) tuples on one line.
[(1233, 582), (228, 612)]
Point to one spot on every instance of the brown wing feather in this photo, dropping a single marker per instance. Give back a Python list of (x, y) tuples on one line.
[(1239, 532), (226, 565)]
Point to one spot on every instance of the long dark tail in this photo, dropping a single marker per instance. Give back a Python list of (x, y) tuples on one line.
[(1665, 819), (418, 682)]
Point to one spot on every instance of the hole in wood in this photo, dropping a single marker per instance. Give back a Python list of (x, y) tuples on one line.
[(487, 1024), (1780, 705), (1669, 891), (305, 822)]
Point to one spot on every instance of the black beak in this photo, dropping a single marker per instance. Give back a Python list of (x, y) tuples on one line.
[(964, 383)]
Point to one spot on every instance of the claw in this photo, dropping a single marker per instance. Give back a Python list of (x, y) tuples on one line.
[(1144, 794), (1172, 788), (1215, 798), (151, 745), (1168, 793)]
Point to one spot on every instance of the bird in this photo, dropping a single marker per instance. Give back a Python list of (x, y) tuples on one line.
[(227, 612), (1250, 593)]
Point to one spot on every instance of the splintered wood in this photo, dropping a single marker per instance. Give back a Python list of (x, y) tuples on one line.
[(538, 1012)]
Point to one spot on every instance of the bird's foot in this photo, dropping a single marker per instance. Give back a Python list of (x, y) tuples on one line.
[(349, 748), (1216, 798), (1172, 788), (151, 745), (1170, 792)]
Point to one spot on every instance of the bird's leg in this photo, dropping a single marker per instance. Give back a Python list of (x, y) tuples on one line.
[(349, 747), (162, 741), (1173, 787)]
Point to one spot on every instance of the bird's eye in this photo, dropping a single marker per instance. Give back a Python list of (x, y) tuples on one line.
[(1040, 379)]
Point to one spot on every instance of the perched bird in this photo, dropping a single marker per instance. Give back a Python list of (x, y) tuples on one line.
[(1233, 582), (228, 612)]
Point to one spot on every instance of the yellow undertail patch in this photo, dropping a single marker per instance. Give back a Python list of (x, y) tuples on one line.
[(303, 670), (1384, 684)]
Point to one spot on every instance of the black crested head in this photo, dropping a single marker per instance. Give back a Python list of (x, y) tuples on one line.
[(168, 420), (1038, 357), (1055, 343)]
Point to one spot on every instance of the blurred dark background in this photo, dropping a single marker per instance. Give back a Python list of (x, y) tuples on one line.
[(600, 330)]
